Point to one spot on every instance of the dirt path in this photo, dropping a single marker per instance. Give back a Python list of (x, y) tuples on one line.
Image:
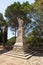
[(8, 60)]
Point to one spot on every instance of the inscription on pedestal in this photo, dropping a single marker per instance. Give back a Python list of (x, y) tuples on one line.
[(18, 33)]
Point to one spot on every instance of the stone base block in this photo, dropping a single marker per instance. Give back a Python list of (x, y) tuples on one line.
[(18, 55), (19, 47)]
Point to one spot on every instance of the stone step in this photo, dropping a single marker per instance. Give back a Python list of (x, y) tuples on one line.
[(19, 55)]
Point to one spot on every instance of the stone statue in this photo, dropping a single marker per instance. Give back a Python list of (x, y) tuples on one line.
[(20, 45), (20, 22)]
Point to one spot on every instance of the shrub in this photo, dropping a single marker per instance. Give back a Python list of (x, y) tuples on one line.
[(11, 41), (31, 40)]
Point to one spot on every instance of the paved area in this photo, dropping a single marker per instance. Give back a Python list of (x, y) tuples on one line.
[(9, 60)]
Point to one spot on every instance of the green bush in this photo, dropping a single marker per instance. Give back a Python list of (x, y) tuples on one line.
[(11, 41), (31, 40)]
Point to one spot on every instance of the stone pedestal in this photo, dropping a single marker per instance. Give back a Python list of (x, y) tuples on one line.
[(20, 45)]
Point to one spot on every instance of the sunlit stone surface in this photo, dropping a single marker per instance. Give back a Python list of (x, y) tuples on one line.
[(20, 45)]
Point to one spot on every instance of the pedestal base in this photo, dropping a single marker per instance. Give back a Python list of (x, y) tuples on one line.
[(19, 48), (18, 55)]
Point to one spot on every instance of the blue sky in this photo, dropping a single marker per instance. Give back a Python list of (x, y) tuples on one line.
[(3, 6)]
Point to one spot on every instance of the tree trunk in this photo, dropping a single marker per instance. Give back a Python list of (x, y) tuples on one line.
[(0, 36), (15, 33)]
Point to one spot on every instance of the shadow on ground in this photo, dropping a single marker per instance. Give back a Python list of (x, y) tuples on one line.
[(35, 52), (3, 51)]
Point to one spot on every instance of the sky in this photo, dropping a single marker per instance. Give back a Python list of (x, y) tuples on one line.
[(3, 6)]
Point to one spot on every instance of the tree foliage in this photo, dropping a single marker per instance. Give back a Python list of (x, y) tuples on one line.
[(18, 10), (28, 13), (3, 35), (37, 24)]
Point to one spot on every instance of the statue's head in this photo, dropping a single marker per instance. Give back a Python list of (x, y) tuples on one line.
[(20, 21)]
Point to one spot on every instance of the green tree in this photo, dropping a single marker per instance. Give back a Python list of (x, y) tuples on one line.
[(1, 23), (38, 17), (16, 11), (2, 34)]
